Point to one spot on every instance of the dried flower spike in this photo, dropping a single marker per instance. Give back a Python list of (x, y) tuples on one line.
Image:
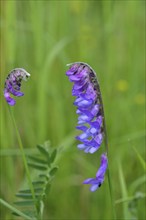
[(13, 84), (98, 180), (89, 106)]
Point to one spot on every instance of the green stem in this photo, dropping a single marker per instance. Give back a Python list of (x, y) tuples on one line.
[(106, 147), (110, 189), (13, 209), (23, 155), (96, 84)]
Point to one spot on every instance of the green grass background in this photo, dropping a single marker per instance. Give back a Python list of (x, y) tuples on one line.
[(42, 37)]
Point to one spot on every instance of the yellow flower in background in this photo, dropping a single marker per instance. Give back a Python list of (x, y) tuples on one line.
[(139, 99), (79, 7), (75, 6), (122, 85)]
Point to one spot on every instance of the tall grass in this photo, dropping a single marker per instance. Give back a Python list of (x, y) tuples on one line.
[(42, 37)]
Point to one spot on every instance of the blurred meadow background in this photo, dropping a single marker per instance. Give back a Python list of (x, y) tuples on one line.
[(42, 37)]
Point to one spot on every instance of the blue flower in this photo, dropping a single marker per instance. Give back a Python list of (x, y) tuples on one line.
[(98, 180), (13, 84), (89, 106)]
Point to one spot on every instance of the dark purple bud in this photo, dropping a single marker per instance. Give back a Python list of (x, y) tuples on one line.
[(13, 84)]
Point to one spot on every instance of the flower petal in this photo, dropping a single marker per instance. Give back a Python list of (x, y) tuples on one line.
[(9, 100), (84, 103), (94, 187), (103, 166), (89, 181), (92, 150), (81, 146), (13, 91)]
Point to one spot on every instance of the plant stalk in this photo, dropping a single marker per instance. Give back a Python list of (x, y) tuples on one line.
[(23, 156), (13, 209), (106, 147)]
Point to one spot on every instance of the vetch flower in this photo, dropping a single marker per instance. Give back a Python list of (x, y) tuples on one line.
[(98, 180), (13, 84), (90, 112), (89, 106)]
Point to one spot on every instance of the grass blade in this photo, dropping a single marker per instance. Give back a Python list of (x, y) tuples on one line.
[(19, 213), (124, 192), (141, 160)]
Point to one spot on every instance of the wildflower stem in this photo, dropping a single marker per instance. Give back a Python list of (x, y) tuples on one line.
[(106, 147), (23, 155), (110, 187)]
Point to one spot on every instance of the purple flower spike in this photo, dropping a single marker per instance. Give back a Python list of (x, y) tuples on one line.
[(91, 120), (99, 179), (89, 106), (13, 84)]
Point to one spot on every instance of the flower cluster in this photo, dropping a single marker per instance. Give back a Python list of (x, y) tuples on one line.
[(13, 84), (90, 120), (90, 111)]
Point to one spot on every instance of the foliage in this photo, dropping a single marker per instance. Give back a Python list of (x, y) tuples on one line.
[(43, 162), (42, 37)]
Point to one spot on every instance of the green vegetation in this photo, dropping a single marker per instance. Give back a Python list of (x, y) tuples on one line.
[(42, 37)]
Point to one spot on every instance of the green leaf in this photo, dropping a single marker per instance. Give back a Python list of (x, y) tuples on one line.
[(48, 160), (43, 150), (48, 187), (25, 203), (44, 176), (38, 160), (38, 183), (38, 167), (53, 155), (38, 190), (26, 195), (53, 171), (16, 214)]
